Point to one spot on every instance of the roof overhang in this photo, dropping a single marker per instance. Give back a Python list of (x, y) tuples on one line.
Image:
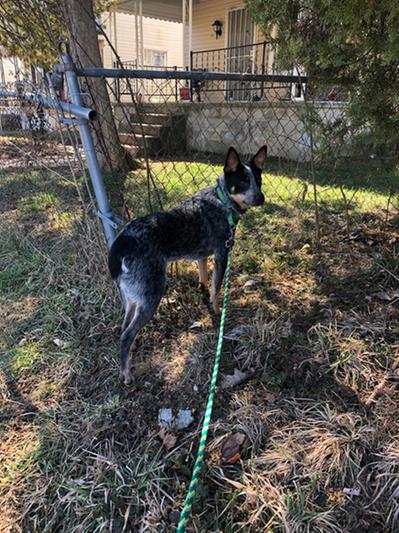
[(170, 10)]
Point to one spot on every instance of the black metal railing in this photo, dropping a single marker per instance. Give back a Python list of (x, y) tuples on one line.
[(255, 58), (149, 92)]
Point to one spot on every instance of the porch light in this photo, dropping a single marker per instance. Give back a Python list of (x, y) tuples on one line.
[(217, 28)]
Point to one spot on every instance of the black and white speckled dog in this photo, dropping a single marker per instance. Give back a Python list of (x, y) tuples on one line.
[(196, 229)]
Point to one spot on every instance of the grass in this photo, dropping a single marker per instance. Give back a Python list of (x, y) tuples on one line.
[(80, 452), (349, 186)]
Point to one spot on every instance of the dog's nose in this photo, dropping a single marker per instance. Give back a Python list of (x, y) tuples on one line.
[(260, 199)]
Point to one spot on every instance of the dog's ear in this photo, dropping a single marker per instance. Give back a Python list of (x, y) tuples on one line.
[(260, 157), (232, 160)]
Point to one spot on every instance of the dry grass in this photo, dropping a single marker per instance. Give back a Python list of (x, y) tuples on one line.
[(80, 452)]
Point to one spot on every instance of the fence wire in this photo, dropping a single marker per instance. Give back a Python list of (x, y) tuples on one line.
[(179, 131), (176, 133), (41, 152)]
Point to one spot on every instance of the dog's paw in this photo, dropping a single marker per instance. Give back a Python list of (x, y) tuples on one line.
[(215, 308), (125, 378)]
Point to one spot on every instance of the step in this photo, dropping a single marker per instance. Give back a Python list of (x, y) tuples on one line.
[(134, 151), (153, 143), (137, 139), (160, 119), (135, 127)]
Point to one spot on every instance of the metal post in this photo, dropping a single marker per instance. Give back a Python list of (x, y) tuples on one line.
[(262, 87), (141, 33), (190, 25), (104, 209), (191, 69), (185, 43)]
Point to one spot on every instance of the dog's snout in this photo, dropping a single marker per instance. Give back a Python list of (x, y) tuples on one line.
[(260, 198)]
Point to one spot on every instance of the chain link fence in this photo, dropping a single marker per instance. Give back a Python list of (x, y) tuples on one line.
[(42, 153), (176, 126)]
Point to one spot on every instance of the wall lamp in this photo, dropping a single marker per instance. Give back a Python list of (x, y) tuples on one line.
[(217, 28)]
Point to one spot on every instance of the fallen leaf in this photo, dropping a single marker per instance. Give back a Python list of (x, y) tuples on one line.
[(388, 296), (196, 326), (351, 492), (234, 333), (231, 448), (168, 439), (250, 284), (59, 343), (235, 379)]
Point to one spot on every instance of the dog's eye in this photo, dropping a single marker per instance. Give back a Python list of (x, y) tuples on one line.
[(245, 180)]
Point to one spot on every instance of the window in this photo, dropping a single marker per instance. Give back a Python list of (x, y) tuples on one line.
[(155, 58)]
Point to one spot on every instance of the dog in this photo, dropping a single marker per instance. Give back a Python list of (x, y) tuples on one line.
[(198, 228)]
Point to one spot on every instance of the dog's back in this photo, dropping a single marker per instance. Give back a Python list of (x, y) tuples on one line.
[(193, 230)]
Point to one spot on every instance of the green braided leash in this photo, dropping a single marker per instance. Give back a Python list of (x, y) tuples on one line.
[(185, 514)]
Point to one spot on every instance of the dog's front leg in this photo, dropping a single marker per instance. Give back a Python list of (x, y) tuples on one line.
[(217, 278), (203, 272)]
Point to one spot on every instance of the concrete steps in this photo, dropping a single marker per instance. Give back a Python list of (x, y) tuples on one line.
[(164, 132)]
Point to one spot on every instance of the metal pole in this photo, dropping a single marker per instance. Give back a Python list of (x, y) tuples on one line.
[(104, 209), (136, 29), (141, 33), (185, 43), (96, 72), (262, 90), (50, 103), (190, 25)]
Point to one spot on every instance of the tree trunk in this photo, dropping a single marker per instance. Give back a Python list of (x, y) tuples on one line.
[(80, 22)]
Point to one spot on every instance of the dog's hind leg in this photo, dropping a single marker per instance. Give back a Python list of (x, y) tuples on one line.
[(143, 287), (130, 308), (142, 315)]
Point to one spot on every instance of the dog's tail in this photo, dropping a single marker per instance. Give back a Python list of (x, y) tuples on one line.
[(119, 249)]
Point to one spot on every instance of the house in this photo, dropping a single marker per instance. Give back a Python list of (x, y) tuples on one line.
[(11, 68), (141, 41), (208, 26), (221, 36)]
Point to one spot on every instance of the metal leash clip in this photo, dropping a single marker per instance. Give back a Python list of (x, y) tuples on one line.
[(230, 241)]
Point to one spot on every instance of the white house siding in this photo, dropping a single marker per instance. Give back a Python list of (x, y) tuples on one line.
[(10, 68), (157, 35)]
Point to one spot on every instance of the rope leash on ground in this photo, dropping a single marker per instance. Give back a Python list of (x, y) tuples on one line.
[(185, 514)]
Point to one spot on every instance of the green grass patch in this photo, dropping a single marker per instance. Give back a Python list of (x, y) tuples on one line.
[(38, 202), (24, 357)]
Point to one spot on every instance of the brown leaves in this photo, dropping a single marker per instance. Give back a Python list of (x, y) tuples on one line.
[(168, 439), (231, 448)]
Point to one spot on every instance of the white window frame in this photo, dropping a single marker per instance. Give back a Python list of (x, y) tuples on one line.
[(157, 51)]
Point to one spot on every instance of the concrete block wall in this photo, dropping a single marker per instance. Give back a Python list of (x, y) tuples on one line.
[(216, 126)]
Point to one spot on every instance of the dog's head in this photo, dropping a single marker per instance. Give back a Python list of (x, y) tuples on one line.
[(244, 180)]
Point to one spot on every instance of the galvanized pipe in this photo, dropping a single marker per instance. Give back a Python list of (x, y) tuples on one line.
[(97, 72), (105, 211), (49, 103)]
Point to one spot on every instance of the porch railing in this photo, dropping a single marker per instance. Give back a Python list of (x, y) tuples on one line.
[(153, 92), (255, 58)]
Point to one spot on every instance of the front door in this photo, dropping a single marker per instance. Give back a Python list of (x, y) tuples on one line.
[(239, 53)]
